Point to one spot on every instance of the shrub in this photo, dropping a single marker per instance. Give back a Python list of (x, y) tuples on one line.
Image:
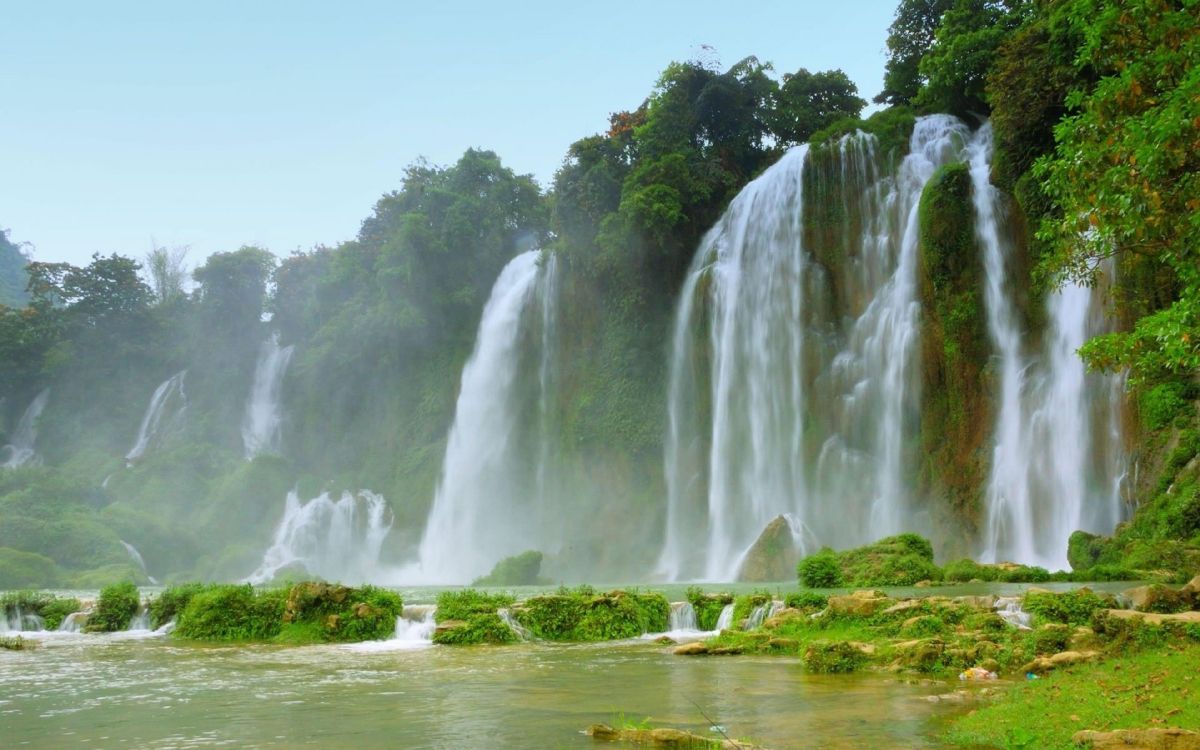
[(806, 600), (460, 605), (232, 612), (1070, 608), (20, 570), (1160, 404), (820, 571), (833, 657), (58, 610), (476, 629), (968, 570), (167, 605), (582, 615), (519, 570), (115, 609), (744, 606)]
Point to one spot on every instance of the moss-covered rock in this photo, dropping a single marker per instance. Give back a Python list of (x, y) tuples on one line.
[(583, 615), (524, 569), (773, 556), (834, 657), (902, 560), (708, 607)]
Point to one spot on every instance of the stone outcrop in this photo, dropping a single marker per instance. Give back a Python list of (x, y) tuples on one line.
[(1044, 664), (677, 739), (859, 604), (773, 556), (1152, 618), (1138, 739)]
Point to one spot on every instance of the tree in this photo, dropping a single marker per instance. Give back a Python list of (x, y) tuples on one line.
[(1125, 175), (233, 287), (13, 277), (909, 37), (168, 272), (807, 102)]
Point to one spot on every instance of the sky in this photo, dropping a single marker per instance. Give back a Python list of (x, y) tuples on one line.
[(218, 124)]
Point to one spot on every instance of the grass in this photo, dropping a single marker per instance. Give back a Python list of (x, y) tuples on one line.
[(1158, 688)]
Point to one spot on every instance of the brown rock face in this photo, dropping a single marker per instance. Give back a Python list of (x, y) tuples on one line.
[(773, 556), (1139, 739), (860, 603)]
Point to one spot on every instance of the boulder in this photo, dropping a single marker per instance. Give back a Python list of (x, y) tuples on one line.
[(445, 627), (773, 556), (1152, 618), (1084, 639), (1138, 739), (921, 654), (783, 644), (1159, 598), (696, 648), (1193, 586), (1044, 664), (784, 616), (859, 604), (663, 738), (985, 603)]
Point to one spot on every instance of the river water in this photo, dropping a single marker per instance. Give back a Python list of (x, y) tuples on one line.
[(104, 691)]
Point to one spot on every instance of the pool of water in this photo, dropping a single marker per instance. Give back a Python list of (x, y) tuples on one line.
[(152, 692)]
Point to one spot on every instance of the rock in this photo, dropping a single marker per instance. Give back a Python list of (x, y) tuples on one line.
[(990, 665), (1044, 664), (1138, 739), (726, 651), (1084, 639), (920, 654), (666, 640), (1159, 598), (696, 648), (448, 625), (783, 644), (1152, 618), (663, 738), (782, 617), (902, 606), (1192, 586), (859, 604), (985, 603), (923, 584), (773, 556)]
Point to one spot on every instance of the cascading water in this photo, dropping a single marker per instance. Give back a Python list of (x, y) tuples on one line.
[(337, 540), (725, 619), (683, 617), (490, 502), (1057, 462), (20, 450), (261, 424), (783, 400), (169, 398), (137, 558)]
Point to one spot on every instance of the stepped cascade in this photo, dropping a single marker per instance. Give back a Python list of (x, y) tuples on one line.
[(336, 540), (1057, 461), (21, 449), (264, 415), (795, 382), (784, 399), (169, 398), (491, 501)]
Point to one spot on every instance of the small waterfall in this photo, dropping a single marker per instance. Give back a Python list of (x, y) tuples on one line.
[(416, 624), (792, 391), (169, 398), (762, 613), (137, 558), (490, 502), (141, 621), (20, 449), (336, 540), (1009, 609), (73, 623), (16, 621), (683, 618), (1057, 462), (261, 424), (517, 628), (725, 619)]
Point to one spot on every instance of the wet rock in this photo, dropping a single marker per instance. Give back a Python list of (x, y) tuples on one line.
[(921, 654), (1138, 739), (784, 616), (1084, 639), (773, 556), (696, 648), (449, 625), (1193, 585), (726, 651), (666, 640), (783, 644), (663, 738)]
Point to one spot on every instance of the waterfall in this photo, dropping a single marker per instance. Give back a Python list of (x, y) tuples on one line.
[(1057, 462), (170, 397), (261, 424), (73, 623), (784, 398), (490, 501), (519, 630), (762, 613), (20, 448), (1009, 609), (336, 540), (725, 619), (137, 558), (683, 617)]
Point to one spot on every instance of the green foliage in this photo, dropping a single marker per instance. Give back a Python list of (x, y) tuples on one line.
[(330, 612), (15, 643), (57, 609), (1070, 608), (1160, 404), (476, 629), (707, 607), (744, 605), (1084, 550), (231, 612), (833, 657), (20, 570), (519, 570), (460, 605), (115, 608), (901, 560), (172, 601), (806, 600), (808, 102), (820, 571), (582, 615), (909, 39), (961, 571), (12, 273)]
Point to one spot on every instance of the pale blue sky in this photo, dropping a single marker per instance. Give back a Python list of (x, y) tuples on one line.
[(218, 124)]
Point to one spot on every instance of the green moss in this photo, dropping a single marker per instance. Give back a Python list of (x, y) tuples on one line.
[(834, 657), (519, 570), (744, 605), (476, 629), (961, 571), (54, 612), (708, 607), (231, 612), (172, 601), (820, 571), (115, 608), (460, 605)]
